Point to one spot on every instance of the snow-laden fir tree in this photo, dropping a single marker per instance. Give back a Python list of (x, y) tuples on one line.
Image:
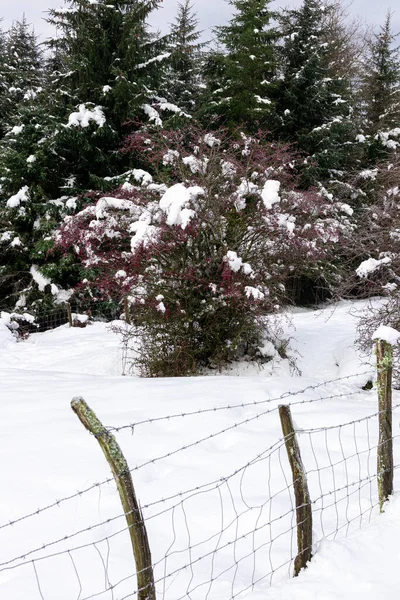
[(184, 68), (21, 72), (111, 58), (381, 83), (315, 103), (3, 84), (241, 77), (67, 140)]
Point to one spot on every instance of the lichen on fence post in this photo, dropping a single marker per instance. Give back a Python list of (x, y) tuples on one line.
[(301, 493), (384, 362), (123, 479)]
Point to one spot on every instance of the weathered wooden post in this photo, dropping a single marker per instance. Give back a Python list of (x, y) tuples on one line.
[(126, 311), (123, 479), (69, 314), (384, 337), (301, 493)]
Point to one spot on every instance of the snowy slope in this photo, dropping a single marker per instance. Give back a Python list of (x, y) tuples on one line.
[(234, 453)]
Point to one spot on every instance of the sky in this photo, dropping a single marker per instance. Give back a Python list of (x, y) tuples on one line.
[(209, 13)]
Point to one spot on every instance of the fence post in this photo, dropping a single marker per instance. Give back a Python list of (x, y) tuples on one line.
[(384, 361), (126, 310), (123, 479), (302, 495), (68, 307)]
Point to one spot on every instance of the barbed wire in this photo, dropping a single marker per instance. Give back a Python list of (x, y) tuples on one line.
[(209, 437), (247, 529), (216, 409)]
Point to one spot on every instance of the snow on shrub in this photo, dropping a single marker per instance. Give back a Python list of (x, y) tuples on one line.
[(202, 256), (19, 324)]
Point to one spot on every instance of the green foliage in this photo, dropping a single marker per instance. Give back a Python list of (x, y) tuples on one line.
[(315, 102), (184, 66), (381, 82), (109, 54), (241, 78)]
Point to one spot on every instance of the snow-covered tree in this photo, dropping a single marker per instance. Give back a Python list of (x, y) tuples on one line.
[(241, 78), (21, 72), (183, 72), (111, 58), (66, 140), (315, 104), (381, 89)]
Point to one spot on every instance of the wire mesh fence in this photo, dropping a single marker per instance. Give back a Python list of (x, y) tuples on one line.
[(220, 534), (75, 312)]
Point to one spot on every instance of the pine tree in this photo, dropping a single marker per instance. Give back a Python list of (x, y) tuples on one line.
[(24, 73), (381, 82), (241, 79), (315, 104), (104, 70), (3, 83), (21, 73), (111, 58), (183, 73)]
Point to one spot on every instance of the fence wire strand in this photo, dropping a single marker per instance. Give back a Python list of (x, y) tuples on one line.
[(231, 534)]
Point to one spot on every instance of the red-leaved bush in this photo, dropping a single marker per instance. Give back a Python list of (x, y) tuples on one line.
[(203, 253)]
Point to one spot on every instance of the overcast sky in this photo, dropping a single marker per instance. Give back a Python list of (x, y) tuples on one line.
[(209, 12)]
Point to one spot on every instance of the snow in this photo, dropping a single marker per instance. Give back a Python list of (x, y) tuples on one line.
[(234, 261), (153, 115), (370, 265), (47, 455), (158, 58), (80, 318), (16, 242), (21, 196), (196, 165), (84, 116), (106, 203), (174, 204), (387, 334), (252, 292), (17, 129), (270, 193), (143, 230), (39, 278), (211, 140), (363, 566)]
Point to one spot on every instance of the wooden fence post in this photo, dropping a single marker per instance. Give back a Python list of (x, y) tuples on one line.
[(68, 307), (384, 361), (126, 310), (302, 495), (123, 479)]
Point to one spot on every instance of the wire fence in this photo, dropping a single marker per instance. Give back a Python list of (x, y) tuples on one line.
[(228, 534), (75, 312)]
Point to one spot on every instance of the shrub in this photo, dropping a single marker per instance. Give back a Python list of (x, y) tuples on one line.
[(204, 255)]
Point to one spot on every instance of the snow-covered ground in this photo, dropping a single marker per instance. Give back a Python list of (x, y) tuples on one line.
[(214, 486)]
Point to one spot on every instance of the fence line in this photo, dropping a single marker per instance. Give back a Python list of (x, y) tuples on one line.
[(249, 537), (132, 426)]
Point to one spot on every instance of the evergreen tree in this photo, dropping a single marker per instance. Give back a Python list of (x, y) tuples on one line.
[(381, 82), (110, 56), (105, 68), (315, 104), (183, 73), (3, 83), (24, 73), (241, 79), (21, 73)]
